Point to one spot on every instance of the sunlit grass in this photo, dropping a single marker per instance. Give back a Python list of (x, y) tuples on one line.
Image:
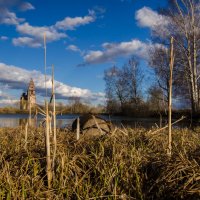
[(115, 166)]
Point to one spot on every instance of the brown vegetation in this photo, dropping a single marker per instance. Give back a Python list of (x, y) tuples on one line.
[(125, 164)]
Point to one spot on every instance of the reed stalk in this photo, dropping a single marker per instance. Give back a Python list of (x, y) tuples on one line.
[(54, 119), (26, 136), (169, 150), (48, 156), (78, 129), (29, 105), (45, 63), (99, 128)]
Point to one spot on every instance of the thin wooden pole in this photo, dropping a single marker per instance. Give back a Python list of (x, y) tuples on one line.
[(54, 119), (78, 129), (48, 156), (50, 128), (45, 63), (29, 106), (36, 113), (169, 150), (26, 135)]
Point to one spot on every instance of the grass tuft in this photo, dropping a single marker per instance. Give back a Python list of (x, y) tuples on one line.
[(116, 166)]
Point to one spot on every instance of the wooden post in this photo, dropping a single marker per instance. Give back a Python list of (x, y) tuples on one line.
[(26, 135), (36, 119), (54, 119), (45, 63), (160, 119), (169, 150), (48, 156), (50, 128), (78, 129), (29, 104)]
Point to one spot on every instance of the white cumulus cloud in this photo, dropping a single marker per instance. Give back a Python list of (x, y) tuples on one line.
[(26, 41), (112, 51), (26, 6), (18, 78), (33, 35), (70, 23), (8, 17), (73, 48), (158, 24), (38, 32), (146, 17)]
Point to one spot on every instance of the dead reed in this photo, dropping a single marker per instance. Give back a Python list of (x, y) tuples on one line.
[(116, 166)]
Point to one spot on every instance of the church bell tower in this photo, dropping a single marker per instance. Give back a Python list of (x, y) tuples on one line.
[(31, 94)]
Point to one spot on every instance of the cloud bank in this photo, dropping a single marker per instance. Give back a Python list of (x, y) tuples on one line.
[(36, 34), (18, 78), (111, 51), (145, 17), (32, 36), (72, 23), (26, 41), (9, 18)]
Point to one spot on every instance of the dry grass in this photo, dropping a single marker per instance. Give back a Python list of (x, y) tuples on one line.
[(118, 166)]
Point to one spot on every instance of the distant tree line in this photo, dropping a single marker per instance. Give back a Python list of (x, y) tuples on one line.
[(76, 105)]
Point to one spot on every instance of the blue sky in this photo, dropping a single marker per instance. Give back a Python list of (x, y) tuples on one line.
[(84, 37)]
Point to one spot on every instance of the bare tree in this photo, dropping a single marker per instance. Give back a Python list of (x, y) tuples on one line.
[(183, 18), (123, 86), (110, 77), (186, 17), (159, 60), (156, 99), (134, 77)]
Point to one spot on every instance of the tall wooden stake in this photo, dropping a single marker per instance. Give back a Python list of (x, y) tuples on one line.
[(26, 135), (54, 119), (169, 150), (36, 113), (48, 158), (45, 62), (29, 106), (78, 129)]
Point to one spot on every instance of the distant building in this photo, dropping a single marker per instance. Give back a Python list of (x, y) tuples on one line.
[(29, 98)]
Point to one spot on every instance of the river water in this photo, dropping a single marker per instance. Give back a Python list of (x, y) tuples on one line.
[(15, 120)]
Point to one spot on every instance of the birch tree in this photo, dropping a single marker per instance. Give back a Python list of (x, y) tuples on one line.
[(187, 36), (184, 25)]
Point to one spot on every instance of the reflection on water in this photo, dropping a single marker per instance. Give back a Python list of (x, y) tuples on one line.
[(4, 122), (15, 120)]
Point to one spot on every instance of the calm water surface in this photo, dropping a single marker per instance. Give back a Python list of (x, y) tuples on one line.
[(15, 120)]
